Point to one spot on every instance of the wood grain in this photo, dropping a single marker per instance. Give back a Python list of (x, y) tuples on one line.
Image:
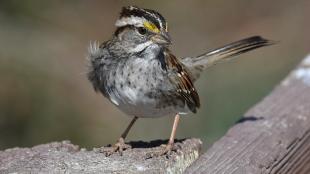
[(272, 137)]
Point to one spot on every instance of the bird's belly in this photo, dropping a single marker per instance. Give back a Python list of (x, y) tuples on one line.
[(141, 104)]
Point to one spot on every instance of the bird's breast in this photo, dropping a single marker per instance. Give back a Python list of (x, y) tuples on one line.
[(137, 87)]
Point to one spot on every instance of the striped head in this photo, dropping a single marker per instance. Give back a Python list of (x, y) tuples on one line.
[(142, 27), (139, 17)]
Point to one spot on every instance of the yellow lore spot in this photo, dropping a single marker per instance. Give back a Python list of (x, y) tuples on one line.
[(152, 27)]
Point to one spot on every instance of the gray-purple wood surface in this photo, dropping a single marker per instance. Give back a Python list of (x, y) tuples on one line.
[(273, 136)]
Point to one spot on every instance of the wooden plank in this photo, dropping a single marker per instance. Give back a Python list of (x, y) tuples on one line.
[(272, 137), (64, 157)]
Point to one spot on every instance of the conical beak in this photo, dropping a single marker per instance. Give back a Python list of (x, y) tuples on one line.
[(162, 39)]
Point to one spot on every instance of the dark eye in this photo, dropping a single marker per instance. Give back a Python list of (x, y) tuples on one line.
[(142, 30)]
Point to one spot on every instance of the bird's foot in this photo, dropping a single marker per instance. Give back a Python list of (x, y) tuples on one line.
[(119, 147), (166, 150)]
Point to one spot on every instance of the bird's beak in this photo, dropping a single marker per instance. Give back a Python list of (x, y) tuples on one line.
[(162, 39)]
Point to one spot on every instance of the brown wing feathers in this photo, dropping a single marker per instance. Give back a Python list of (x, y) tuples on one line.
[(184, 84)]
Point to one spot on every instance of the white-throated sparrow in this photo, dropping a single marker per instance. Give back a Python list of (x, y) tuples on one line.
[(137, 72)]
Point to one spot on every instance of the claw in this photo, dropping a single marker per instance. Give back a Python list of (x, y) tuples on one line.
[(166, 150), (119, 147)]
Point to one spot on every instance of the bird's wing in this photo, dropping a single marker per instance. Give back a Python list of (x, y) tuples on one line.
[(181, 78)]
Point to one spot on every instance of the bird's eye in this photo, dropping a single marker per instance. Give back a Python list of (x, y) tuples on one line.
[(142, 30)]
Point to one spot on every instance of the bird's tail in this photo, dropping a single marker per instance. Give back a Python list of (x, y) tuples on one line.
[(197, 64)]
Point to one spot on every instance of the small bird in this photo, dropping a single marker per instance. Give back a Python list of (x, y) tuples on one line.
[(137, 72)]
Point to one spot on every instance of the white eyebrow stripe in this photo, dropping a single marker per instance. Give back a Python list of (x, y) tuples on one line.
[(132, 20)]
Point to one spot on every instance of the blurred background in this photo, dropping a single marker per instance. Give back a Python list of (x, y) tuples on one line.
[(45, 95)]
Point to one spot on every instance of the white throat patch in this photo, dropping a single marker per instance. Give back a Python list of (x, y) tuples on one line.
[(141, 47)]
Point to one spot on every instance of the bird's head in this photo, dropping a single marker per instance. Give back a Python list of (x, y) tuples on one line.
[(140, 28)]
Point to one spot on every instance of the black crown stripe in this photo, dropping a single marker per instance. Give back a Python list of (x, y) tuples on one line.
[(149, 15)]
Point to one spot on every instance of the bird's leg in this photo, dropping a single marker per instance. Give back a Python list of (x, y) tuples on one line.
[(120, 146), (169, 146)]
